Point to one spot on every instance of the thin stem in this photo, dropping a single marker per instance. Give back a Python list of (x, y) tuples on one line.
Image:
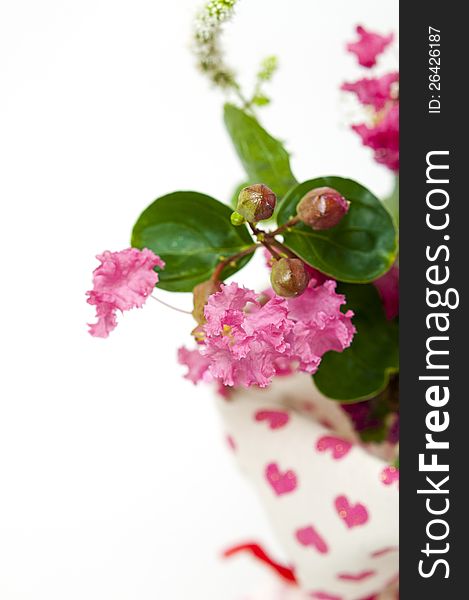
[(232, 259), (268, 240), (186, 312), (293, 221), (254, 230), (283, 249), (244, 101), (271, 249)]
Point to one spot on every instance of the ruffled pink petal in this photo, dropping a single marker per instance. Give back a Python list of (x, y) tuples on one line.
[(197, 365), (369, 46), (122, 281), (247, 343), (106, 316), (235, 370), (309, 343), (375, 92), (242, 351), (226, 307), (383, 138), (272, 318), (317, 303), (320, 325)]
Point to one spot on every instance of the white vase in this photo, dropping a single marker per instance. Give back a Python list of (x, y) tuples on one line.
[(332, 501)]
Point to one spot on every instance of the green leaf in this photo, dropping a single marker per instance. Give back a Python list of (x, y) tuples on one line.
[(392, 201), (192, 233), (260, 100), (362, 370), (264, 158), (361, 248)]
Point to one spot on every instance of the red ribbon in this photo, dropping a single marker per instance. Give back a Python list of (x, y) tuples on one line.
[(285, 573)]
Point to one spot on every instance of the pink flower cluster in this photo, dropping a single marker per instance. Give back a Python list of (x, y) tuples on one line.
[(369, 46), (122, 281), (375, 92), (246, 342), (380, 94)]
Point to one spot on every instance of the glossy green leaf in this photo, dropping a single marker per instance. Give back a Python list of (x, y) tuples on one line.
[(361, 248), (362, 370), (192, 233), (264, 158)]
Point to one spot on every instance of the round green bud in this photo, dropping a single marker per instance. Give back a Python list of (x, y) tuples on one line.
[(256, 203), (289, 277), (237, 219)]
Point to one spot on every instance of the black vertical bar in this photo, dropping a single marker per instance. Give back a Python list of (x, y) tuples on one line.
[(434, 119)]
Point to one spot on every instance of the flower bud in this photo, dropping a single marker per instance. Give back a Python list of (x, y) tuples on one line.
[(289, 277), (237, 219), (322, 208), (200, 296), (256, 203)]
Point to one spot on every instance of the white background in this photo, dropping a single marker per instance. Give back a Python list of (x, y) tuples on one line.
[(115, 483)]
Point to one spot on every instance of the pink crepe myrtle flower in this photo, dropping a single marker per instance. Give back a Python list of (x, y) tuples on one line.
[(247, 342), (383, 137), (320, 325), (196, 364), (122, 281), (376, 91), (381, 94), (369, 46)]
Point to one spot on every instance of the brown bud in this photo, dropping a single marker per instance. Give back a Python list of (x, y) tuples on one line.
[(198, 333), (201, 293), (322, 208), (256, 203), (289, 277)]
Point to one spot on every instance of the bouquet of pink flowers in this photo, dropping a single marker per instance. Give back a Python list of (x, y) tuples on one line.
[(306, 368)]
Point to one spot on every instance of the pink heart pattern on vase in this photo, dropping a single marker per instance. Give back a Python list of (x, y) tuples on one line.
[(389, 475), (308, 536), (324, 493), (281, 482), (324, 596), (275, 418), (353, 515), (384, 551), (338, 447), (231, 443), (355, 576)]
